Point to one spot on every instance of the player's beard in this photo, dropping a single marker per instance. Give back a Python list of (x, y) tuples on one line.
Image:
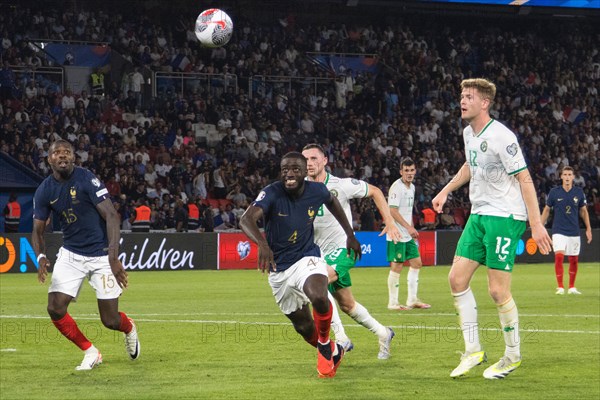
[(65, 172)]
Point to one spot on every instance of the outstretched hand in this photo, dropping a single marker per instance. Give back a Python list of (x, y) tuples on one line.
[(393, 231)]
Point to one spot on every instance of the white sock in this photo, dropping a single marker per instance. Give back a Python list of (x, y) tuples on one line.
[(393, 283), (91, 350), (336, 322), (361, 315), (412, 281), (509, 319), (467, 313)]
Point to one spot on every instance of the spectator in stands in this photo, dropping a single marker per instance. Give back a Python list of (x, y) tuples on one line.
[(219, 181), (236, 195), (225, 219), (181, 216), (158, 193), (68, 100), (447, 219)]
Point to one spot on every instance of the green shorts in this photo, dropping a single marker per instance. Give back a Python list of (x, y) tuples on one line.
[(491, 240), (342, 264), (402, 251)]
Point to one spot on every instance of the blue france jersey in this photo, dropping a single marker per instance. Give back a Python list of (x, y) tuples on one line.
[(289, 222), (74, 203), (565, 206)]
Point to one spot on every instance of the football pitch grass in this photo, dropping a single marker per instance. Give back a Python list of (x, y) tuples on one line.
[(219, 335)]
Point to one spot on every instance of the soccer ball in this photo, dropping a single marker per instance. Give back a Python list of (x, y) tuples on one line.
[(213, 28)]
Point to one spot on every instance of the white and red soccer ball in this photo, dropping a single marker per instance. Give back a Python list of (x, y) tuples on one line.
[(213, 28)]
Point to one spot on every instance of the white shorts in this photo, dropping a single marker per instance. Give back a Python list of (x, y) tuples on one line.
[(570, 245), (288, 285), (70, 270)]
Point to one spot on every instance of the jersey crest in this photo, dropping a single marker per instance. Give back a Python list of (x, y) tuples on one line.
[(73, 193)]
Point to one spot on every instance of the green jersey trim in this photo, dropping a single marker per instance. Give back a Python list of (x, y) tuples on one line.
[(517, 171), (485, 127)]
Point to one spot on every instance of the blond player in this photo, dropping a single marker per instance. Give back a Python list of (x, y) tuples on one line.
[(503, 198)]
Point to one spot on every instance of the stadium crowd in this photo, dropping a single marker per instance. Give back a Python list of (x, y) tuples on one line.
[(547, 79)]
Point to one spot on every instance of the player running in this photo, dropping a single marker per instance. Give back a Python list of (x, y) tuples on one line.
[(331, 238), (90, 227), (297, 272)]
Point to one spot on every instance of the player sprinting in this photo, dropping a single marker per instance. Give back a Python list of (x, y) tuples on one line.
[(90, 227), (331, 238), (401, 200), (503, 198), (297, 272), (568, 203)]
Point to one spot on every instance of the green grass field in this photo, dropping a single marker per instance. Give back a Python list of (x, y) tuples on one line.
[(219, 335)]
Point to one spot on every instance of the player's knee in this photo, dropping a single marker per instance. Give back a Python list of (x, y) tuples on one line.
[(346, 307), (56, 312), (458, 283), (498, 294), (321, 303), (111, 321), (396, 267)]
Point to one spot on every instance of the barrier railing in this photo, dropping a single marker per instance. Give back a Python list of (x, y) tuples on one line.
[(172, 83), (48, 78)]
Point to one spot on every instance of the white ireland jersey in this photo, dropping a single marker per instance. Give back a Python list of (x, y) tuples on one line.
[(402, 197), (494, 158), (329, 234)]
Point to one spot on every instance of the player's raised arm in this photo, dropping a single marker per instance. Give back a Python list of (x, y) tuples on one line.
[(462, 176), (249, 225), (338, 212), (379, 199), (113, 232)]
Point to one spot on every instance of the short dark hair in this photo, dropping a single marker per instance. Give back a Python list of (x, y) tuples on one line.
[(407, 161), (294, 154), (314, 146), (60, 142)]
